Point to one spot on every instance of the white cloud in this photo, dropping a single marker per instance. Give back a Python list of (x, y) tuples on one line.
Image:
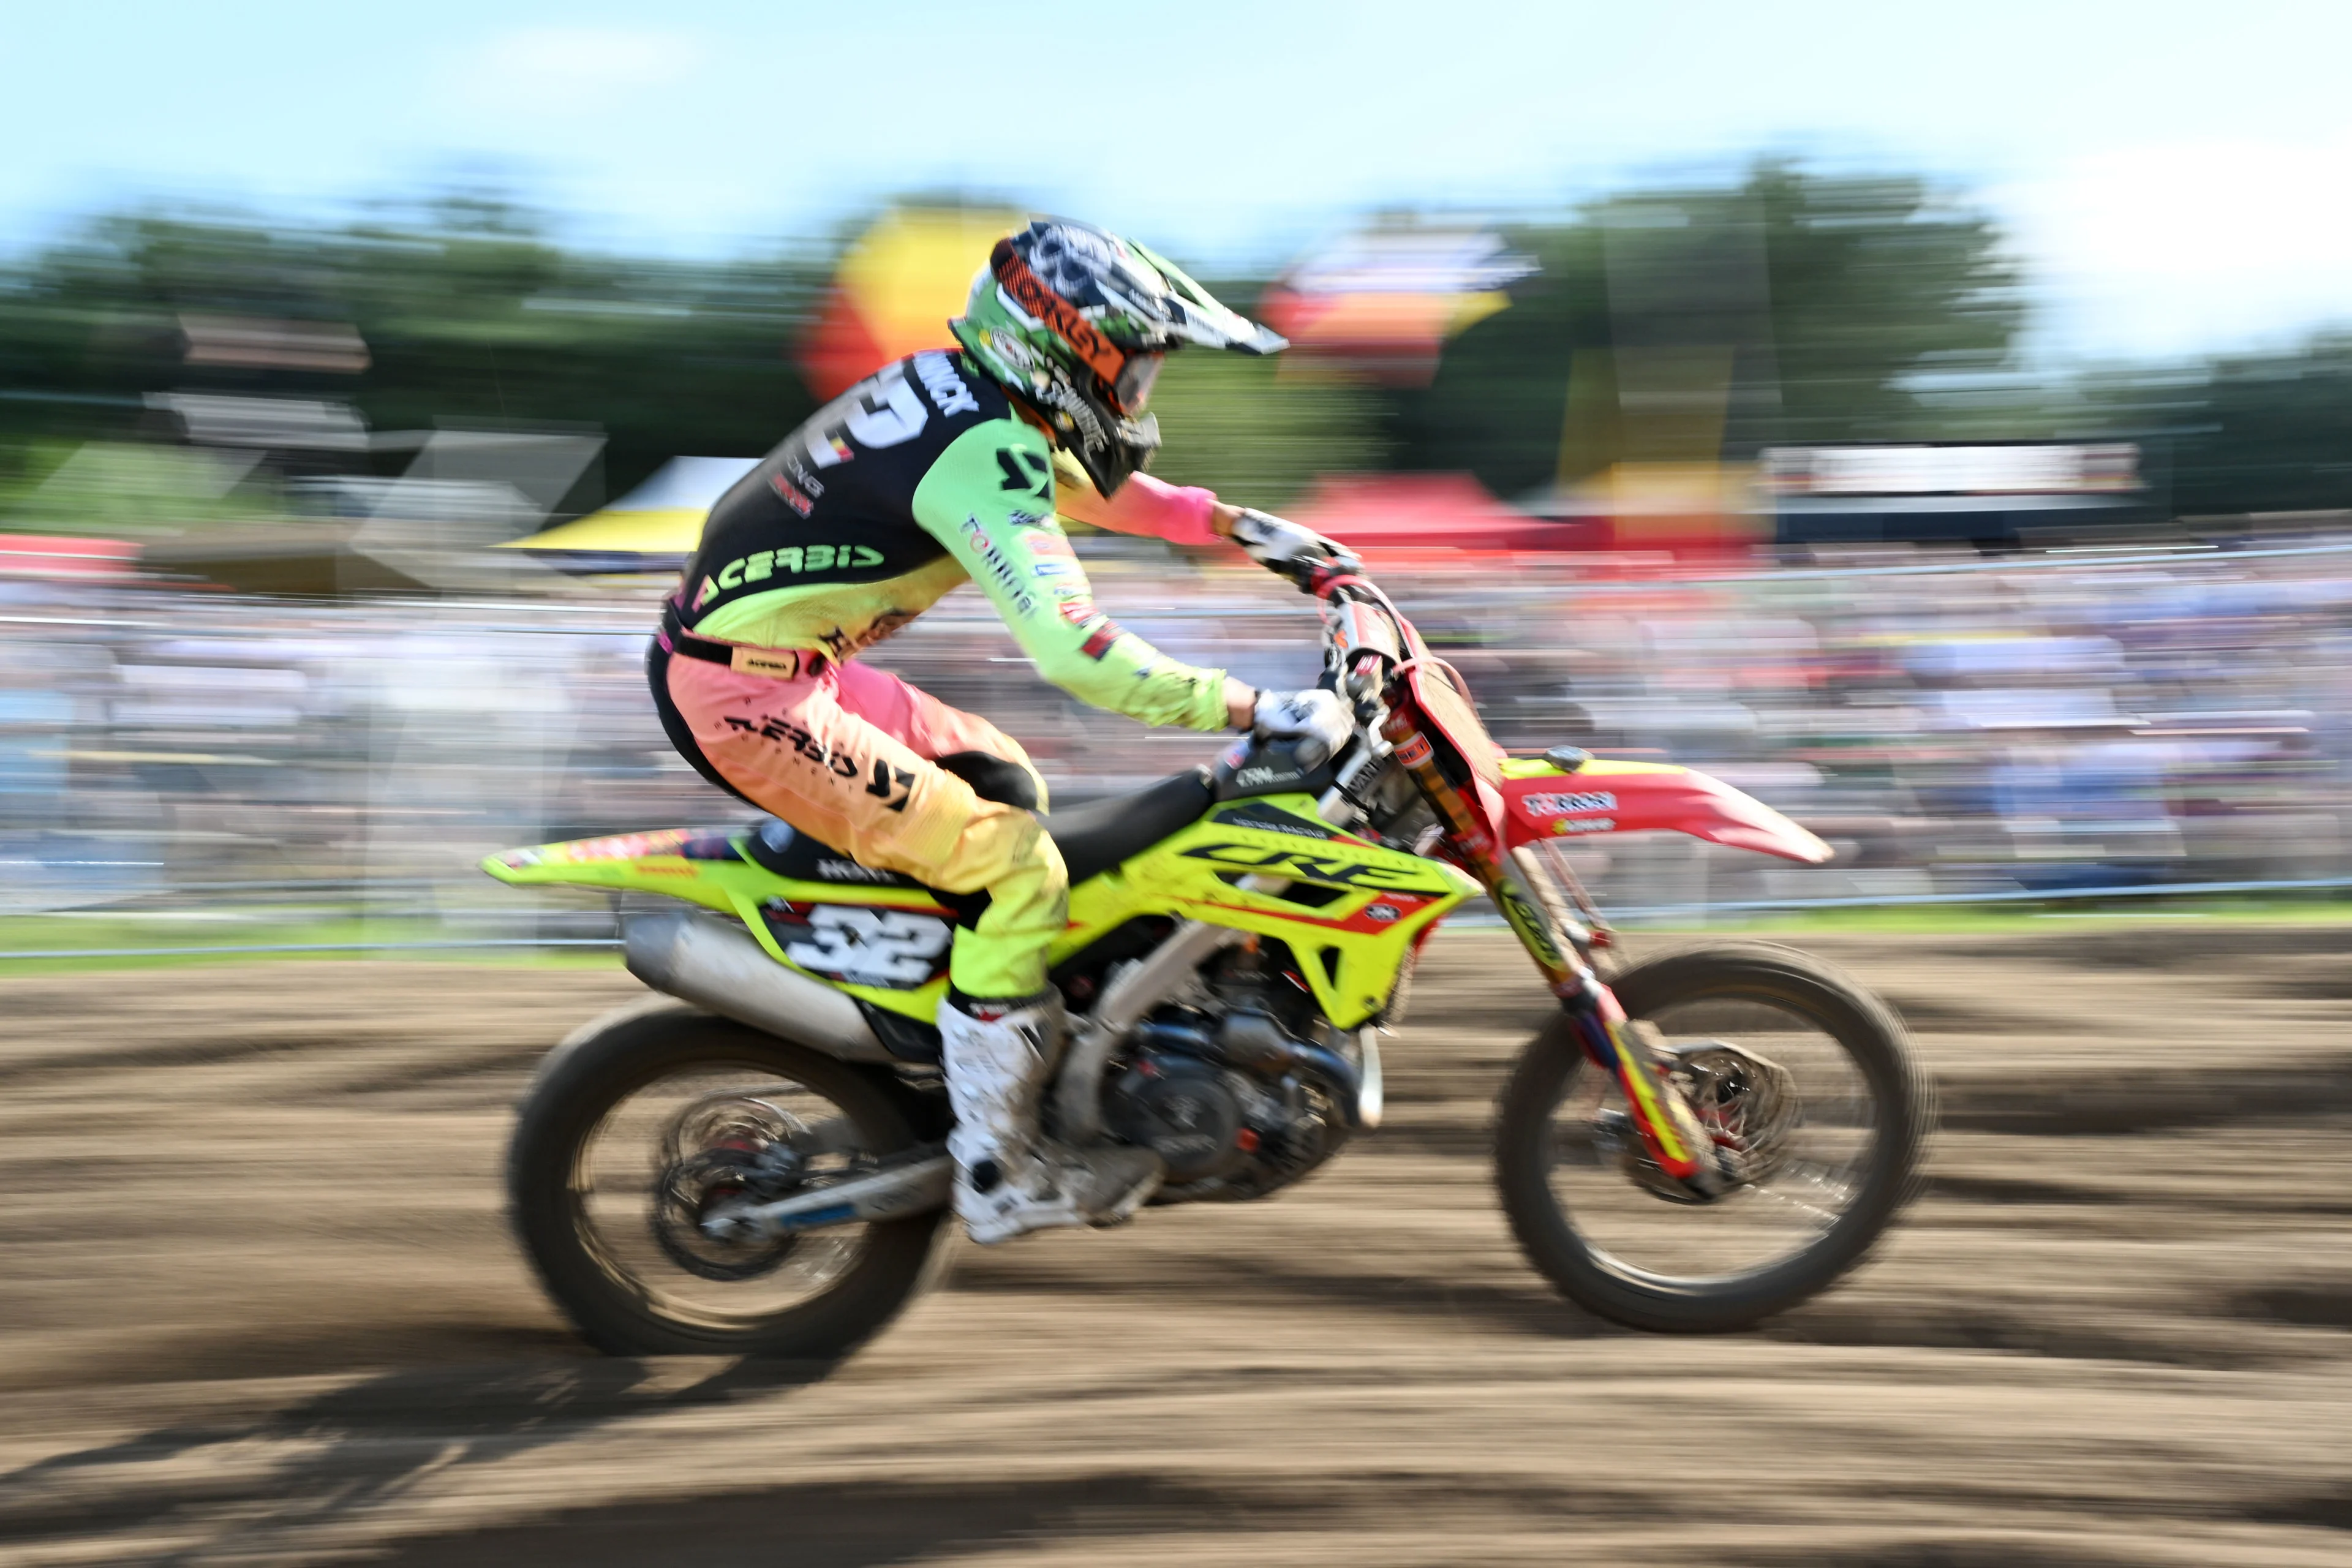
[(2190, 246), (573, 71)]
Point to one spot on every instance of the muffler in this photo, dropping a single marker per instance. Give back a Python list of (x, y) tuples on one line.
[(718, 968)]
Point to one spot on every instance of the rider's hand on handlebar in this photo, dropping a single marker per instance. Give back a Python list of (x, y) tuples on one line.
[(1281, 545), (1315, 722)]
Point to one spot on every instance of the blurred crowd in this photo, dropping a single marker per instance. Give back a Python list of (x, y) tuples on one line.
[(332, 423), (1963, 726)]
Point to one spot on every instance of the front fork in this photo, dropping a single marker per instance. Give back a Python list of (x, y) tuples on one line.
[(1669, 1128)]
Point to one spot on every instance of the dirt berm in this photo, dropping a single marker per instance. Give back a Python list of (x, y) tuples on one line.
[(258, 1305)]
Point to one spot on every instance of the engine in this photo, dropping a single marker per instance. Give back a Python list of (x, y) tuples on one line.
[(1192, 1111), (1237, 1097)]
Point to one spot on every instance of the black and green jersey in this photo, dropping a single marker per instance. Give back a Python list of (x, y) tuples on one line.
[(916, 479)]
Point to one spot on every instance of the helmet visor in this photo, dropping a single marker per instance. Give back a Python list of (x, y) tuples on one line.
[(1133, 387)]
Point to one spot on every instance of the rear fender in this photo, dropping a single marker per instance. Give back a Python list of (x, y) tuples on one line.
[(701, 865), (1543, 802), (708, 867)]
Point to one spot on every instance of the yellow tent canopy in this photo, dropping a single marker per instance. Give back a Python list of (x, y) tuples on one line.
[(661, 517)]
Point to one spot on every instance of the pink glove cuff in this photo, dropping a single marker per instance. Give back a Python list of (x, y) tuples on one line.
[(1177, 513)]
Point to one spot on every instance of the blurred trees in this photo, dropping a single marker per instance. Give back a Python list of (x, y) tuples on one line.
[(1675, 325), (2247, 433), (1692, 324), (468, 311), (1238, 426)]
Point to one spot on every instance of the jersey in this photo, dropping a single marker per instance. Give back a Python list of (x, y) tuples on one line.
[(919, 478)]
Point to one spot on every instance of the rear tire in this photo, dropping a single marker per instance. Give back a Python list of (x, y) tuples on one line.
[(569, 1103), (1549, 1072)]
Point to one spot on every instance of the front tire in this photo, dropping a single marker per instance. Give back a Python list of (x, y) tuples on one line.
[(628, 1281), (1623, 1252)]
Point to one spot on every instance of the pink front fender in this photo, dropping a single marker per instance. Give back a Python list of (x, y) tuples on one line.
[(1605, 797)]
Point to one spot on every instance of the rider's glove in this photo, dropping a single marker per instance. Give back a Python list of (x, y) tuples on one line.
[(1315, 722), (1280, 546)]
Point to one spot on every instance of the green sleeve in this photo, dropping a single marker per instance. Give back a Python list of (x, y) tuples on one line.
[(989, 497)]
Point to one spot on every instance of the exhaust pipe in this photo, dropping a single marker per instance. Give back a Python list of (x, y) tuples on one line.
[(1255, 1039), (721, 970)]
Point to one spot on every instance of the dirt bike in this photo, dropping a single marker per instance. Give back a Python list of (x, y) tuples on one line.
[(752, 1161)]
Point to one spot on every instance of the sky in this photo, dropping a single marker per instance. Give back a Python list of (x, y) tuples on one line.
[(2174, 176)]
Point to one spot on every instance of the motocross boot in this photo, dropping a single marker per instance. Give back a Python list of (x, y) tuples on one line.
[(1009, 1179)]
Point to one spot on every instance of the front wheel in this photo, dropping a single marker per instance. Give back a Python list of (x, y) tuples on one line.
[(1804, 1075), (632, 1137)]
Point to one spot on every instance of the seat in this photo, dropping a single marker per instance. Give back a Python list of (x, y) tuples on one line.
[(1095, 837), (1092, 838)]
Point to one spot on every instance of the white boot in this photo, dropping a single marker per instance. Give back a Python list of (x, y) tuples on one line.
[(1009, 1181)]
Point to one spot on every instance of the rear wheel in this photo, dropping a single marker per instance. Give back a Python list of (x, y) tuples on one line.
[(1801, 1073), (632, 1136)]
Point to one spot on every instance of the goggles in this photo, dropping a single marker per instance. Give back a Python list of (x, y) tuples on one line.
[(1133, 387)]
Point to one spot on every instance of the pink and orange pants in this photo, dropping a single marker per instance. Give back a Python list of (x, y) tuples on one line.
[(847, 755)]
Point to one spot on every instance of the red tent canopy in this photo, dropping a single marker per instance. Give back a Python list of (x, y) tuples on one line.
[(1453, 510), (46, 556)]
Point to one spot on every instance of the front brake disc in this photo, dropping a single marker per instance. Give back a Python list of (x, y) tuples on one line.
[(1748, 1102)]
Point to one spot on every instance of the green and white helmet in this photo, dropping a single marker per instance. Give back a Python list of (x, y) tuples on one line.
[(1073, 322)]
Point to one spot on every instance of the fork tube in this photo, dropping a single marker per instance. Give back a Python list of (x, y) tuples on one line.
[(1473, 841), (1667, 1122)]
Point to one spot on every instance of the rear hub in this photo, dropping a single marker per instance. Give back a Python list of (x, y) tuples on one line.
[(724, 1150)]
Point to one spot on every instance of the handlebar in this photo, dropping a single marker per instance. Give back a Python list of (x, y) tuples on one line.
[(1314, 575)]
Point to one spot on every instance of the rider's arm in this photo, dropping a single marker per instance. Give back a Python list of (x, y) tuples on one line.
[(1154, 509), (999, 527)]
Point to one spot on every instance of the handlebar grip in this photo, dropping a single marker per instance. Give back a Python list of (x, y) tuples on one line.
[(1332, 578)]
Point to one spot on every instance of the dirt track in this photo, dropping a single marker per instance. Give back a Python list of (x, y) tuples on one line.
[(256, 1305)]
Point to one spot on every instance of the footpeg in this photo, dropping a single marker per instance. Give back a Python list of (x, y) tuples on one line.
[(1108, 1182)]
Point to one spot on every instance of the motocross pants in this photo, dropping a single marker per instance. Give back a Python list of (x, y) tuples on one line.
[(847, 754)]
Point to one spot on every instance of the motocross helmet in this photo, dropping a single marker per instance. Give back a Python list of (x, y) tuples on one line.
[(1073, 322)]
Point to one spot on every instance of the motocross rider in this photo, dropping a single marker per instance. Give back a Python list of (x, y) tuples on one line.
[(944, 466)]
